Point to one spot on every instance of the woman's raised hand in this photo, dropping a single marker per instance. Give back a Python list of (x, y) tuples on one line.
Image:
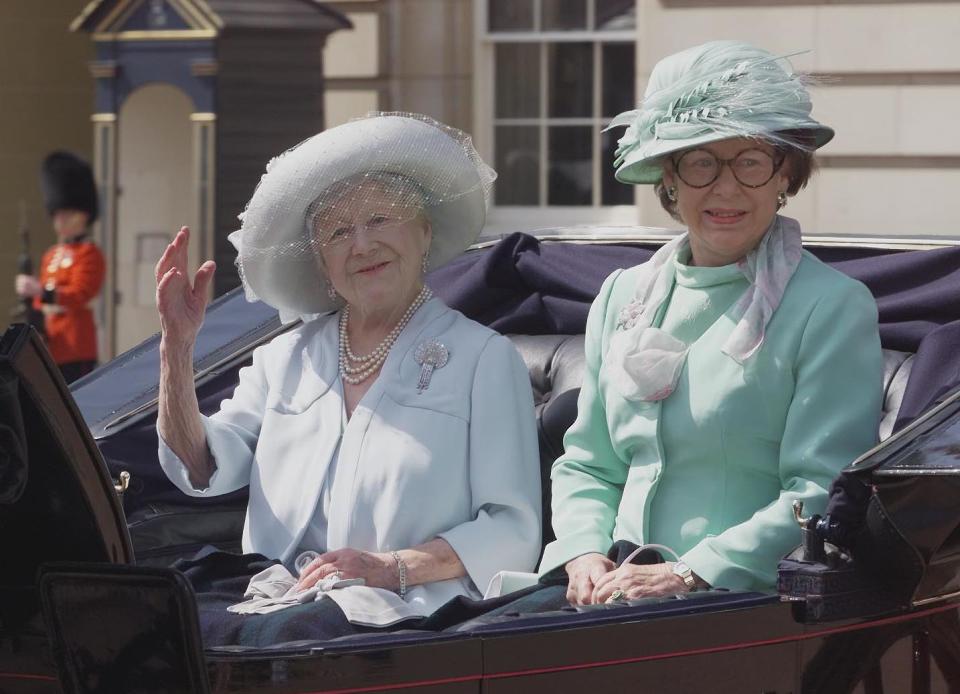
[(180, 302), (584, 572)]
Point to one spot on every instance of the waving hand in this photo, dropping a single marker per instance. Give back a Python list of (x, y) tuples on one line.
[(181, 303)]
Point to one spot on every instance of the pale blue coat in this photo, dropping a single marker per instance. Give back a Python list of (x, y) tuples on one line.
[(457, 461)]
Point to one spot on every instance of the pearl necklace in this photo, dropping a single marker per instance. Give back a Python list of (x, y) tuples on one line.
[(357, 369)]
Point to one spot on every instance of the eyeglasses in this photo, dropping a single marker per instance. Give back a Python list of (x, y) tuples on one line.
[(752, 168), (377, 226)]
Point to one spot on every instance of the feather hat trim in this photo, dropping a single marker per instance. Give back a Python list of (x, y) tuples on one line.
[(711, 92)]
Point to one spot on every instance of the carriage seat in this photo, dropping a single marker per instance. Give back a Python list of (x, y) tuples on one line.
[(556, 364)]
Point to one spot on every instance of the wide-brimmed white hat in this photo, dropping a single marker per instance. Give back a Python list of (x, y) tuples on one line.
[(711, 92), (276, 256)]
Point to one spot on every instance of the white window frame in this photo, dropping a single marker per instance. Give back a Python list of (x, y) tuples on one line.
[(504, 219)]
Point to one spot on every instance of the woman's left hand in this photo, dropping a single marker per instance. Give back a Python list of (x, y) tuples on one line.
[(639, 581), (377, 570)]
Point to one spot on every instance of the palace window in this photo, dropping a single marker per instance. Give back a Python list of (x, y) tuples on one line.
[(558, 71)]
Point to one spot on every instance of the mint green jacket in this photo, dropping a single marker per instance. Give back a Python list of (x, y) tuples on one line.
[(712, 470)]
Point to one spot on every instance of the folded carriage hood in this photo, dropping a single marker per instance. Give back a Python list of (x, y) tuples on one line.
[(125, 390), (912, 524), (929, 446)]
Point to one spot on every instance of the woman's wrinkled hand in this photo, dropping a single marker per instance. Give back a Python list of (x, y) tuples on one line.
[(377, 570), (584, 572), (639, 581), (180, 302)]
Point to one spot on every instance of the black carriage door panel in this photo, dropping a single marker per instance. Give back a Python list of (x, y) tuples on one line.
[(740, 650)]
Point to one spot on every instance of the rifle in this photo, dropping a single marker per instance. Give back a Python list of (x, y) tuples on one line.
[(24, 312)]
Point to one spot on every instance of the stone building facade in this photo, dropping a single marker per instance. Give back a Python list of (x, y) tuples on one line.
[(536, 82)]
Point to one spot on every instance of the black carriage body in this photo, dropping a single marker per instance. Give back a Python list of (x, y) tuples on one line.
[(102, 608)]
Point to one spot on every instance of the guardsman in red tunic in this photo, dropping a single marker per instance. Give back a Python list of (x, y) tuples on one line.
[(72, 271)]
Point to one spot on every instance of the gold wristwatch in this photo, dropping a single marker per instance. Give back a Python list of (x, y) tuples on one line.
[(686, 575)]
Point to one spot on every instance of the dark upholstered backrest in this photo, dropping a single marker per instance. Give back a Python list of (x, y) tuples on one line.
[(556, 364)]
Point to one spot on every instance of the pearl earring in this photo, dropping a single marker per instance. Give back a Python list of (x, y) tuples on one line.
[(425, 262), (331, 292), (672, 193), (781, 199)]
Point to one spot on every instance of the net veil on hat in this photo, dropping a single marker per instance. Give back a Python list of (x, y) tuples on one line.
[(711, 92), (422, 163)]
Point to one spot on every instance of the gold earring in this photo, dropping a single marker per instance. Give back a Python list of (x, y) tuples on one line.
[(781, 199)]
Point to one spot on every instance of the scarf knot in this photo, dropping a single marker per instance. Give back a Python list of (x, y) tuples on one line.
[(645, 362)]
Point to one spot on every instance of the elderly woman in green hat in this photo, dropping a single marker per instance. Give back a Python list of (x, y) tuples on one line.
[(733, 373)]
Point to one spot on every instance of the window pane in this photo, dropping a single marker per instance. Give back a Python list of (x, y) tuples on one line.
[(510, 15), (517, 80), (618, 78), (570, 69), (616, 15), (517, 161), (564, 14), (570, 174), (612, 191)]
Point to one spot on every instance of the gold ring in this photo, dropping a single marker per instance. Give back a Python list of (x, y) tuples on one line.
[(617, 594)]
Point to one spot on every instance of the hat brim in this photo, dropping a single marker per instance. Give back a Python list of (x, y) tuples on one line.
[(644, 166), (293, 282)]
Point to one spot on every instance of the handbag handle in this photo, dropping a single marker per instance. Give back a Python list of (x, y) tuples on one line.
[(654, 546)]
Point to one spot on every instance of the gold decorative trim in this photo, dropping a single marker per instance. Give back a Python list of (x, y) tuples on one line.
[(103, 69), (190, 15), (204, 68), (124, 11), (196, 13), (120, 13), (204, 8), (204, 171), (104, 164), (84, 14), (160, 35)]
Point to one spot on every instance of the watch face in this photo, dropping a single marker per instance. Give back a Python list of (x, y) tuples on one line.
[(680, 568)]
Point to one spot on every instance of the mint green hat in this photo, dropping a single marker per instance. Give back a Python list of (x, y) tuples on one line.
[(711, 92)]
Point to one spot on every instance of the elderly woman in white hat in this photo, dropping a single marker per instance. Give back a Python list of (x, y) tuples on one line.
[(388, 442), (733, 373)]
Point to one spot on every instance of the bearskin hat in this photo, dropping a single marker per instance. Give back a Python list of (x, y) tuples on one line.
[(68, 184)]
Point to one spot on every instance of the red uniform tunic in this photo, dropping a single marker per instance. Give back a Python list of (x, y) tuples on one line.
[(71, 275)]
